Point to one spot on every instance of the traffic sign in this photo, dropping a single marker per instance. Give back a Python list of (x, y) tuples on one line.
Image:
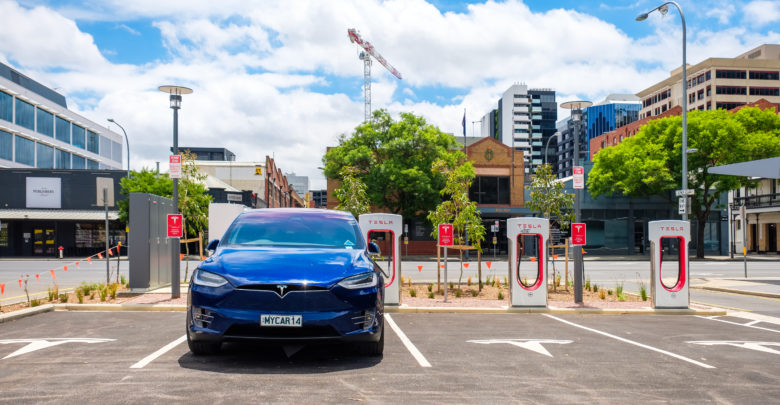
[(175, 166), (682, 202), (681, 193), (175, 226), (579, 177), (578, 234), (445, 235)]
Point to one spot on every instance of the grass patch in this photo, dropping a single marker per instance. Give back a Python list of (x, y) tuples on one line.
[(430, 295), (474, 293), (412, 293), (430, 287)]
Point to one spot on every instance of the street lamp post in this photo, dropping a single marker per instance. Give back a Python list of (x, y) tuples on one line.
[(576, 116), (175, 98), (127, 141), (548, 145), (663, 9)]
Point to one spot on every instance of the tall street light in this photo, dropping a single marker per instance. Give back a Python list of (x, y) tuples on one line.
[(175, 97), (663, 9), (127, 141), (576, 117), (548, 145)]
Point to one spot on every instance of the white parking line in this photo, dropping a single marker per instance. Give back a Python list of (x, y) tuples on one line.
[(747, 325), (408, 343), (655, 349), (150, 358)]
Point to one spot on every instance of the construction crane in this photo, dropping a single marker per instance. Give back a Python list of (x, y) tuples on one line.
[(365, 56)]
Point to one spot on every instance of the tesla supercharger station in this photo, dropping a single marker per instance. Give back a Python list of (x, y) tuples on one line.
[(527, 247), (669, 247), (392, 224)]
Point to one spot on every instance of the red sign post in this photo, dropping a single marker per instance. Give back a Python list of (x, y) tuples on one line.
[(578, 234), (445, 235), (175, 226)]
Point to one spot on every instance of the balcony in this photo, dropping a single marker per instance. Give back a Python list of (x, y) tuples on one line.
[(757, 201)]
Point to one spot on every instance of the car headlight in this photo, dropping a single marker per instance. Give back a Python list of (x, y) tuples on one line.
[(206, 279), (362, 280)]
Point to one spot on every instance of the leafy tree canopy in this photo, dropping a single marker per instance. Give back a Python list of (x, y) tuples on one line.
[(549, 198), (352, 193), (650, 163), (394, 159)]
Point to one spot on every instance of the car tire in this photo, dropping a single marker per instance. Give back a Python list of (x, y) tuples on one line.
[(203, 348), (373, 348)]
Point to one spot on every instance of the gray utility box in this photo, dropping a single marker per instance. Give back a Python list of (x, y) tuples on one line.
[(150, 249)]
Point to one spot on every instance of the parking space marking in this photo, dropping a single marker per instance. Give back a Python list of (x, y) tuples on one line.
[(534, 345), (745, 344), (38, 344), (624, 340), (747, 325), (150, 358), (408, 343)]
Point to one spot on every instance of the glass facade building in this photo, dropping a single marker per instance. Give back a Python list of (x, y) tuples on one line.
[(38, 130), (606, 117)]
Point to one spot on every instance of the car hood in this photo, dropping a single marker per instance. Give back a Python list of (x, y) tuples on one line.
[(320, 267)]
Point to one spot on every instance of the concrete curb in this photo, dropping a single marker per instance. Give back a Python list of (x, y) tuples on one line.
[(23, 313), (120, 307), (555, 310), (735, 291)]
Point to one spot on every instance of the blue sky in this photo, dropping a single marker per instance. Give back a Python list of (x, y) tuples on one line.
[(281, 78)]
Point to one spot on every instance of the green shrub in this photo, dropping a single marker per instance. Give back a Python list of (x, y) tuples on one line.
[(500, 295), (123, 280), (103, 293), (557, 280), (80, 295), (468, 281), (430, 295), (487, 281), (457, 293), (621, 296), (35, 302), (474, 293), (595, 288), (412, 293), (609, 292), (112, 290), (587, 283), (643, 292), (63, 298), (603, 294), (430, 287), (52, 294)]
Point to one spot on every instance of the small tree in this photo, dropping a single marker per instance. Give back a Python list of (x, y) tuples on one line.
[(193, 201), (145, 181), (549, 199), (352, 193), (458, 209)]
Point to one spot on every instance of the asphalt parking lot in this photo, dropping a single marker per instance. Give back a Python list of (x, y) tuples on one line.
[(140, 357)]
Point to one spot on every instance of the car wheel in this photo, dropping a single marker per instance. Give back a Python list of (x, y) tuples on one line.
[(203, 348), (373, 348)]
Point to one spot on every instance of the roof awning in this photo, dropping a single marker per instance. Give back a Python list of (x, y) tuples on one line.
[(66, 215), (764, 168)]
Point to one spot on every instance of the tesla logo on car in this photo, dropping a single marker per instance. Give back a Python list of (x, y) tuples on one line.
[(281, 288)]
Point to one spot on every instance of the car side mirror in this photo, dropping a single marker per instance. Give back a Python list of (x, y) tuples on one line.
[(212, 246), (373, 249)]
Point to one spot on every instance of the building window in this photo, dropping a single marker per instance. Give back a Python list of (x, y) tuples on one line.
[(709, 91), (730, 74), (6, 145), (93, 140), (25, 114), (44, 156), (728, 106), (62, 130), (79, 162), (708, 75), (739, 90), (490, 190), (79, 136), (6, 106), (765, 91), (45, 122), (765, 75), (92, 165), (24, 151), (105, 147), (62, 159), (116, 151)]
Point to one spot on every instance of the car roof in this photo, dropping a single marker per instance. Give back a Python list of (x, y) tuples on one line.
[(296, 212)]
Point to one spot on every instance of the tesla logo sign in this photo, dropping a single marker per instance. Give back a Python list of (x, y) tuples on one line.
[(445, 235), (379, 222), (281, 288), (175, 226), (577, 234), (672, 228), (529, 226)]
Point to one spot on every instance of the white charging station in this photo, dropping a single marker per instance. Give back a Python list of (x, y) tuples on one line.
[(527, 247), (669, 238), (392, 224)]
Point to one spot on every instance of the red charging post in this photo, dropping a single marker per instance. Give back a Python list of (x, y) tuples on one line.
[(445, 239), (175, 226)]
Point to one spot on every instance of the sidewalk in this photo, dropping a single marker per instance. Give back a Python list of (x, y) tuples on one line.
[(768, 287)]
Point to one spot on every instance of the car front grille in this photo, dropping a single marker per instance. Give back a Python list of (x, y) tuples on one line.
[(257, 331)]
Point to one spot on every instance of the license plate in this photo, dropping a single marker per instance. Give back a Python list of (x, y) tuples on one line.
[(294, 321)]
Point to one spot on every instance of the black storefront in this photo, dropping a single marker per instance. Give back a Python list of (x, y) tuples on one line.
[(41, 210)]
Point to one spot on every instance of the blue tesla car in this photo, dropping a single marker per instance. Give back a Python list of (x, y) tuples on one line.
[(288, 275)]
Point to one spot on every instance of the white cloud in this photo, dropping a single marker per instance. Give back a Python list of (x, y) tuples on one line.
[(722, 11), (762, 12)]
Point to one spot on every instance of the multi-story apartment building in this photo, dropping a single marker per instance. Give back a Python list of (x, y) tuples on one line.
[(37, 130), (719, 83), (524, 120), (616, 110)]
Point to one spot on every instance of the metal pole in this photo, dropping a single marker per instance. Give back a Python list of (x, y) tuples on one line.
[(445, 274), (744, 238), (105, 205), (578, 267), (684, 115), (546, 147), (175, 261)]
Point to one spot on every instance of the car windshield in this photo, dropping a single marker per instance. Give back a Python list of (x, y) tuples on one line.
[(302, 230)]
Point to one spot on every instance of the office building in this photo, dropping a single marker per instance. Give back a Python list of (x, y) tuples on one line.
[(37, 130), (719, 83), (524, 120)]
